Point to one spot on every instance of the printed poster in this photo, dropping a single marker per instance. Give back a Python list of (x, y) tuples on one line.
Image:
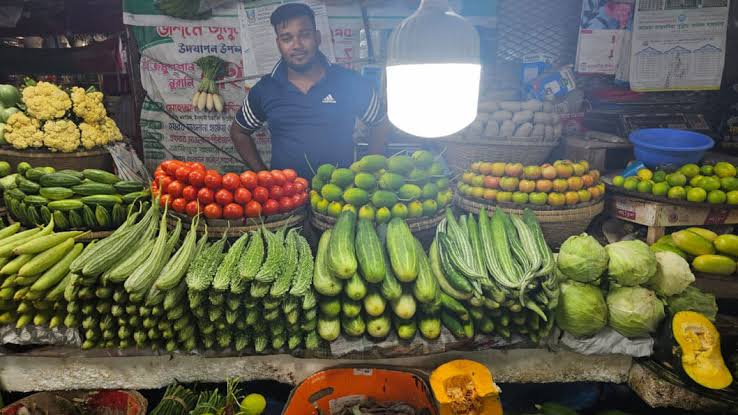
[(603, 26)]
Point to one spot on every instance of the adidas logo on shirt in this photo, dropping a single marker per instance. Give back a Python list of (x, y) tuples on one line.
[(329, 99)]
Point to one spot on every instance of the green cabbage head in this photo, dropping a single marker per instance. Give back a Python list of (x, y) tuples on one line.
[(581, 258), (631, 262), (634, 311), (673, 275), (582, 310)]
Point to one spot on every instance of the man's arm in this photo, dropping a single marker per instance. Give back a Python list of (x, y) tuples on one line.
[(378, 137), (246, 147)]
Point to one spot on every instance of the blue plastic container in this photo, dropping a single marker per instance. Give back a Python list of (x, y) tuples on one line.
[(669, 148)]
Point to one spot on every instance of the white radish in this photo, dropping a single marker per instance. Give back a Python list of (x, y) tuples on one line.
[(209, 102), (195, 97), (201, 101), (218, 102)]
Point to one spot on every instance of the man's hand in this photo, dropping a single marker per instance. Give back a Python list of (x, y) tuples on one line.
[(246, 147)]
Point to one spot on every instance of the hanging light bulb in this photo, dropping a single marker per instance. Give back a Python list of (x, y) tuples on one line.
[(433, 72)]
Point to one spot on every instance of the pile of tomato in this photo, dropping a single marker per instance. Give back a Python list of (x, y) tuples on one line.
[(190, 188)]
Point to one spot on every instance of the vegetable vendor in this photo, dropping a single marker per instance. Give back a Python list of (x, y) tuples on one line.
[(311, 106)]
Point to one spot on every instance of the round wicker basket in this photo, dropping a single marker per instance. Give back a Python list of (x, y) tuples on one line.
[(461, 153), (324, 222), (97, 158), (234, 229), (557, 224)]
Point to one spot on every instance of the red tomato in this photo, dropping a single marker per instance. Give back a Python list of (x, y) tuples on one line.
[(286, 204), (213, 180), (205, 196), (198, 166), (289, 189), (179, 204), (172, 167), (303, 198), (303, 181), (196, 178), (175, 188), (278, 177), (299, 186), (231, 181), (213, 211), (233, 211), (183, 174), (261, 194), (253, 209), (164, 183), (223, 197), (297, 200), (271, 207), (159, 171), (276, 192), (189, 193), (289, 174), (192, 208), (164, 200), (242, 196), (265, 178), (249, 180)]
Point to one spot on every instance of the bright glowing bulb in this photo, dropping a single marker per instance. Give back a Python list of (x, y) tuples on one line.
[(432, 100)]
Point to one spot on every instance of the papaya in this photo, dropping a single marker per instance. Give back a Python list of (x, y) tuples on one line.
[(391, 181), (727, 244), (331, 192), (356, 196), (714, 264), (325, 171), (400, 164), (692, 243), (423, 158), (372, 163), (342, 177), (383, 198), (430, 191), (705, 233), (410, 192), (365, 181)]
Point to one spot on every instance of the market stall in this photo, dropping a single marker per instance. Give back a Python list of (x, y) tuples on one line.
[(486, 246)]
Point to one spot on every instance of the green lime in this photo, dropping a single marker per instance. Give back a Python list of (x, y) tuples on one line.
[(430, 207), (690, 170), (253, 404), (732, 197), (383, 215), (631, 183), (659, 176), (696, 180), (520, 197), (717, 197), (645, 186), (710, 183), (677, 192), (676, 179), (4, 168), (729, 183), (696, 194), (725, 169), (367, 212), (660, 189), (399, 210), (415, 209), (618, 181), (707, 170)]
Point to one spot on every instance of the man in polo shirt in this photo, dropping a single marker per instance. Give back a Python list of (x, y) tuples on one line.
[(310, 105)]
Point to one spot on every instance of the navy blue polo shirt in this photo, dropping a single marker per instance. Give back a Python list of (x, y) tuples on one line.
[(318, 124)]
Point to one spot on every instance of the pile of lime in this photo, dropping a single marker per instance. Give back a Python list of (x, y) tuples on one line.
[(716, 184), (380, 188)]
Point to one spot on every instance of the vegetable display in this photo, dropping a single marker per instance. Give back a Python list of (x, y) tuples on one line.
[(188, 188), (55, 119), (715, 184), (562, 183), (380, 188), (90, 199)]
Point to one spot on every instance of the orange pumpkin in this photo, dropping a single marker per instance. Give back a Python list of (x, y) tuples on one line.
[(465, 387)]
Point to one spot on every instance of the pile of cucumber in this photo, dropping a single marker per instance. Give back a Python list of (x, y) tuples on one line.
[(90, 199)]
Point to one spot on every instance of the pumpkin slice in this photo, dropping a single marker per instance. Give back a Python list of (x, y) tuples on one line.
[(699, 343), (465, 387)]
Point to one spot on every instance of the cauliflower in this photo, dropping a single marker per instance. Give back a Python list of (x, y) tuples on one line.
[(110, 129), (88, 105), (61, 135), (46, 101), (22, 131)]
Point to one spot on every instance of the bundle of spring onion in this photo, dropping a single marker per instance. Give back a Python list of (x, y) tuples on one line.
[(177, 400), (207, 97)]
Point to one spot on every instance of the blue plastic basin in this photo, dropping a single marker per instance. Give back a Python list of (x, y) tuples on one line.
[(669, 148)]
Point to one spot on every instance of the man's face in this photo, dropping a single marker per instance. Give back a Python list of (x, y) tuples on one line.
[(298, 42)]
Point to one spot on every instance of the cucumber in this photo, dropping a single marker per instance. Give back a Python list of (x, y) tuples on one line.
[(100, 176), (107, 201), (56, 193), (437, 269), (341, 253), (59, 180), (27, 186), (369, 252), (74, 173), (355, 288), (325, 283), (402, 250), (92, 188), (125, 186), (130, 198), (35, 200), (425, 288), (66, 205), (453, 325)]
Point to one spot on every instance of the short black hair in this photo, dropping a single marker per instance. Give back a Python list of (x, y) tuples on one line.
[(289, 11)]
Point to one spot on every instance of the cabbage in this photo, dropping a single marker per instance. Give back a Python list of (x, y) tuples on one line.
[(9, 96), (582, 310), (692, 299), (634, 311), (672, 276), (631, 262), (582, 258)]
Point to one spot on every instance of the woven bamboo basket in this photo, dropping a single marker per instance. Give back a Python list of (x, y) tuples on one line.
[(461, 153), (111, 402), (324, 222), (233, 228), (97, 158), (557, 224)]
